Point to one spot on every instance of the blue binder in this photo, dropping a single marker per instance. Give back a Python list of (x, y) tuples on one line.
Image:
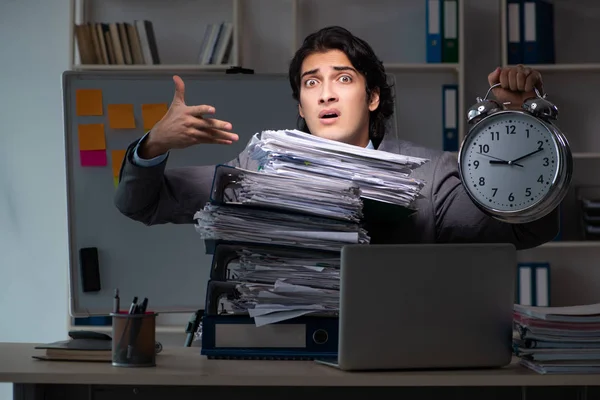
[(450, 117), (514, 31), (301, 338), (433, 34), (538, 32), (533, 284)]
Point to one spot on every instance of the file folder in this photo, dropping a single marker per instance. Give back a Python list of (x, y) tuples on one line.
[(450, 38), (538, 44), (434, 12), (450, 117), (302, 338), (533, 282), (514, 31)]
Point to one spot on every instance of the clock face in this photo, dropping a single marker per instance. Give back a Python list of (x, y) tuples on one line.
[(509, 161)]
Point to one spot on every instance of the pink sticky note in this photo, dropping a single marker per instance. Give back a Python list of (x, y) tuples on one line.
[(92, 158)]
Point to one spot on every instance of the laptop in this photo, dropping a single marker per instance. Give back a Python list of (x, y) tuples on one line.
[(425, 306)]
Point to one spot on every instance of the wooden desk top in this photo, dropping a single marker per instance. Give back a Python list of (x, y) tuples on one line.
[(185, 366)]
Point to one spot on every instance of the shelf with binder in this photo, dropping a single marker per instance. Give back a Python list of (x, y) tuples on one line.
[(574, 275), (552, 35), (137, 35)]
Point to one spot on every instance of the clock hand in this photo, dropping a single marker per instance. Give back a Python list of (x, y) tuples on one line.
[(527, 155), (505, 162), (500, 161)]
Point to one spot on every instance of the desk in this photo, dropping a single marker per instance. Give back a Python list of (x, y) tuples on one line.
[(182, 373)]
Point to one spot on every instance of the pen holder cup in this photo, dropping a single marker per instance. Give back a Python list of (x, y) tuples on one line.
[(133, 339)]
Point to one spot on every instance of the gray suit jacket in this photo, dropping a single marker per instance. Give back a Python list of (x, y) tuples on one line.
[(445, 213)]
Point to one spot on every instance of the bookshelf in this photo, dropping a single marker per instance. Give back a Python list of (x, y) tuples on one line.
[(570, 81), (178, 45)]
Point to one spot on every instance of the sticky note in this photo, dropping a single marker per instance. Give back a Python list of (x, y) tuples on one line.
[(92, 158), (116, 181), (120, 116), (91, 137), (88, 101), (152, 113), (117, 159)]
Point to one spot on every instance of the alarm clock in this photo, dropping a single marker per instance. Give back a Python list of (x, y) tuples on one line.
[(515, 165)]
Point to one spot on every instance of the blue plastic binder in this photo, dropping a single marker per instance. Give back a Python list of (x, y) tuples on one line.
[(433, 34), (514, 31), (302, 338), (533, 284), (538, 32), (450, 117)]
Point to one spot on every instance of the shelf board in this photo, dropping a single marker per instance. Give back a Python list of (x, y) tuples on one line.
[(137, 67), (583, 156), (422, 67), (571, 244), (564, 67)]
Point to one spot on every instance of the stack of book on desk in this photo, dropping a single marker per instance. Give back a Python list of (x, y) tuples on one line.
[(276, 236), (558, 339)]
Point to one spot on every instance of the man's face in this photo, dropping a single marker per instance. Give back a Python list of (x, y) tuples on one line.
[(333, 98)]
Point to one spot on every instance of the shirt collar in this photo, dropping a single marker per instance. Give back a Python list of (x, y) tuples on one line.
[(370, 145)]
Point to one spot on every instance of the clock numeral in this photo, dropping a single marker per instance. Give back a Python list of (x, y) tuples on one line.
[(495, 135), (540, 145), (495, 190), (541, 179), (546, 162), (476, 164), (511, 197), (528, 192), (527, 130), (510, 130), (482, 181), (484, 148)]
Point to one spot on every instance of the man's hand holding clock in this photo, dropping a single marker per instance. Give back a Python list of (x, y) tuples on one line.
[(514, 162)]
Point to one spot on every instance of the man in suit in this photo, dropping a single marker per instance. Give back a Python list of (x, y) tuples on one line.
[(342, 94)]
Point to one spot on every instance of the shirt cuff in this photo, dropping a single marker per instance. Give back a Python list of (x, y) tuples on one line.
[(142, 162)]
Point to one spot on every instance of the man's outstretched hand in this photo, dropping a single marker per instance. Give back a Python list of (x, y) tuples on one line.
[(183, 126)]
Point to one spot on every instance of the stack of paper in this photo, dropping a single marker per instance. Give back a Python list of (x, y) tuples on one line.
[(558, 339), (317, 271), (381, 176), (305, 194), (240, 224)]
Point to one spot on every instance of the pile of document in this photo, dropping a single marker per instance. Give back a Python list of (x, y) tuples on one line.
[(308, 196), (381, 176), (558, 339)]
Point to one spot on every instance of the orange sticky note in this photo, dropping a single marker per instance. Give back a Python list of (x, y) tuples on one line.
[(152, 113), (117, 159), (88, 101), (120, 116), (91, 137)]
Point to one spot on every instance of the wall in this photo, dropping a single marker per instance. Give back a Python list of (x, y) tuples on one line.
[(33, 241)]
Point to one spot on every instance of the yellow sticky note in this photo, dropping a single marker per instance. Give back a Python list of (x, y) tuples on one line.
[(120, 116), (152, 113), (88, 101), (91, 137), (117, 159)]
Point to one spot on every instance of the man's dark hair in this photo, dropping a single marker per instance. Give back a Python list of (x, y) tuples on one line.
[(363, 58)]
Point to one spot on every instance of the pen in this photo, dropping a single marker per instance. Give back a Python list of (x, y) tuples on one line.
[(143, 306), (133, 306), (116, 302)]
